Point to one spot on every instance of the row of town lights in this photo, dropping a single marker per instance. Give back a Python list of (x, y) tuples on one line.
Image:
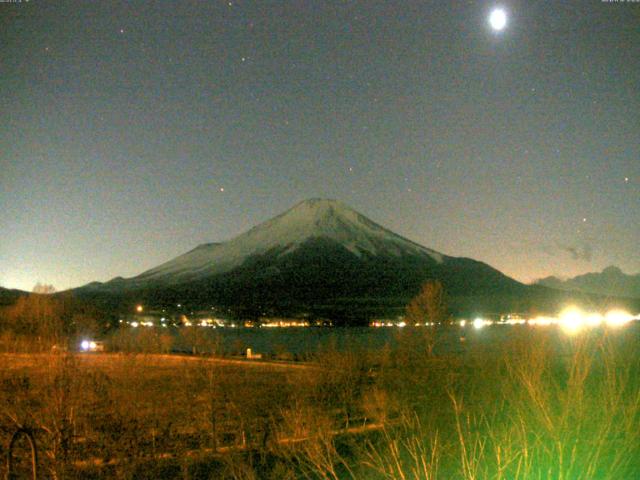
[(571, 320)]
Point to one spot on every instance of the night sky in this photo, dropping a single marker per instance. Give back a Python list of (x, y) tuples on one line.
[(132, 132)]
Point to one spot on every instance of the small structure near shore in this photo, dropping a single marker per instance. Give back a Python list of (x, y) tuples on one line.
[(253, 356)]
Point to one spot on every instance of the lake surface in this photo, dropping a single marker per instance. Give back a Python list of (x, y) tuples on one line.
[(305, 341)]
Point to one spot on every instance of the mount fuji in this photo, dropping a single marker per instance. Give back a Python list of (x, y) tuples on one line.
[(320, 256), (283, 235)]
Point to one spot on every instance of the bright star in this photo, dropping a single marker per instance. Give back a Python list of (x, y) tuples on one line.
[(498, 19)]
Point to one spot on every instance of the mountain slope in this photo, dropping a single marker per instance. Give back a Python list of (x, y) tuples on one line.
[(611, 281), (320, 256), (311, 219)]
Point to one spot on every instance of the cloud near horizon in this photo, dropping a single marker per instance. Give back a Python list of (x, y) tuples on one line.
[(582, 252)]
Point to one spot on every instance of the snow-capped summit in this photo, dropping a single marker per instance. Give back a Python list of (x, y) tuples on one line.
[(319, 258), (308, 220)]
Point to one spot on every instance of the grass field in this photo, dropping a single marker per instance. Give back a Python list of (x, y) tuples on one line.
[(517, 410)]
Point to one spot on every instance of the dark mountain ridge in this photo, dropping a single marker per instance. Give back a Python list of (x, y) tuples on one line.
[(612, 281)]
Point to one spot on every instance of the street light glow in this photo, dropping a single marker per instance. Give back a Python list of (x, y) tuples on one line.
[(572, 320), (617, 318)]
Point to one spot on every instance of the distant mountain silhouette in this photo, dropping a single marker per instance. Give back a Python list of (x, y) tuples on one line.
[(8, 297), (611, 281)]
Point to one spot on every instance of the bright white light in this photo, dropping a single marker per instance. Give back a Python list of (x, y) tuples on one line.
[(572, 320), (463, 323), (402, 324), (593, 319), (543, 321), (617, 318), (478, 323), (498, 19), (85, 345), (134, 324)]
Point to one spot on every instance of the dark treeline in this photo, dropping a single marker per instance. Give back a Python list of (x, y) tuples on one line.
[(40, 320)]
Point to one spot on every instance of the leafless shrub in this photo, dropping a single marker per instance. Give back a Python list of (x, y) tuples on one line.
[(538, 406)]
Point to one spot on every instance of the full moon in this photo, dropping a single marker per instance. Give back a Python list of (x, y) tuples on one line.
[(498, 19)]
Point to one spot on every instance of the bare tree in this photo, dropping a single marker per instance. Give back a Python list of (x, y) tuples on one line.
[(38, 316), (44, 289), (429, 305)]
